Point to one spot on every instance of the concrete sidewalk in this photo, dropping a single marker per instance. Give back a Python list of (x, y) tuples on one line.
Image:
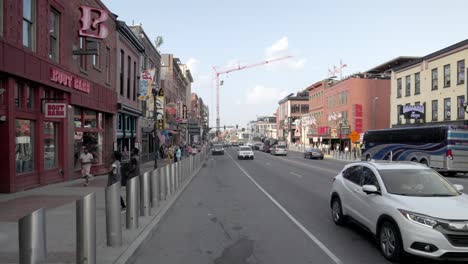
[(60, 203)]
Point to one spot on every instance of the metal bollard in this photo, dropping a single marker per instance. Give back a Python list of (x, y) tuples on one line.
[(86, 229), (177, 176), (145, 194), (168, 180), (113, 227), (173, 174), (32, 238), (132, 203), (155, 187), (163, 181)]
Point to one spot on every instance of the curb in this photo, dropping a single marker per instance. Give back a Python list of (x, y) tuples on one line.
[(130, 254)]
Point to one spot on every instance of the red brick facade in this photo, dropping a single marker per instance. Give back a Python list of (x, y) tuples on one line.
[(25, 74)]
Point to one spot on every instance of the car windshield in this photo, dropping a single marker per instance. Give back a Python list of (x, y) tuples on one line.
[(245, 149), (411, 182), (313, 150)]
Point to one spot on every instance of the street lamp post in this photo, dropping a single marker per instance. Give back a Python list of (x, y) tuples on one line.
[(340, 124), (156, 137)]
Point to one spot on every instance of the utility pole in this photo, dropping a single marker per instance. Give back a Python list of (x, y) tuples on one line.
[(154, 92)]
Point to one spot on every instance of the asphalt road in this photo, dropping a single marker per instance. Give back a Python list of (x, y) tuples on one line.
[(267, 210)]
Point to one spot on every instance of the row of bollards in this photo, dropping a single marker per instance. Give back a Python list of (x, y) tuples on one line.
[(142, 194)]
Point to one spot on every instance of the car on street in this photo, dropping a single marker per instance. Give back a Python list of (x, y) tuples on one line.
[(226, 144), (313, 153), (279, 150), (235, 144), (245, 153), (257, 145), (241, 143), (409, 207), (217, 149)]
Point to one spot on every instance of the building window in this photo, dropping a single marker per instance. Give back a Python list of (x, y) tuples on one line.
[(29, 92), (96, 59), (434, 79), (129, 68), (461, 72), (54, 35), (399, 87), (90, 119), (447, 109), (108, 64), (447, 75), (408, 85), (1, 17), (121, 70), (134, 81), (417, 83), (398, 113), (417, 120), (50, 145), (28, 23), (83, 58), (434, 110), (24, 148), (18, 95), (407, 120), (460, 107), (78, 117)]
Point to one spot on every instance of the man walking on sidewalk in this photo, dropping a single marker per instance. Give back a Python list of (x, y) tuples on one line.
[(134, 164), (115, 174), (86, 160), (178, 154)]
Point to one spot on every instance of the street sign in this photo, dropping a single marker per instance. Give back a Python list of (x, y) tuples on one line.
[(55, 110), (354, 136)]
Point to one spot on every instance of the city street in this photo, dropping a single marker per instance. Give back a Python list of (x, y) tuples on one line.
[(267, 210)]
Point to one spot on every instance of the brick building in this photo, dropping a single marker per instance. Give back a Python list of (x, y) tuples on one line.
[(57, 80), (288, 116)]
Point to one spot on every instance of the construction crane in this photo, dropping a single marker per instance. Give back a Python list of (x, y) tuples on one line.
[(238, 68)]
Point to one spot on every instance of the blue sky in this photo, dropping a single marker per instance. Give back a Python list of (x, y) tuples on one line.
[(363, 33)]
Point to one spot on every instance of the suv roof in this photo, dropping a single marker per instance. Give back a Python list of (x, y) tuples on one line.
[(393, 165)]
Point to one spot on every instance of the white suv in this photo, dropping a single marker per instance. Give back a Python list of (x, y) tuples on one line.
[(245, 153), (409, 207)]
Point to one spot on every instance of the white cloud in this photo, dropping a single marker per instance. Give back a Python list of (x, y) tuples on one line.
[(262, 95), (200, 81), (280, 49), (279, 46)]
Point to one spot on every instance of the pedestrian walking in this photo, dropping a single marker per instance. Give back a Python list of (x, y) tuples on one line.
[(178, 154), (86, 160), (175, 153), (354, 152), (134, 164), (170, 153), (115, 174)]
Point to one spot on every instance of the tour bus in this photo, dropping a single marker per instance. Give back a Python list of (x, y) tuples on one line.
[(443, 148)]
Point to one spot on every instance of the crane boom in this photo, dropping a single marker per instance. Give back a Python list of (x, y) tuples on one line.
[(238, 68)]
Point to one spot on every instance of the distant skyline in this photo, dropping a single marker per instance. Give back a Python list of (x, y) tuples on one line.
[(361, 33)]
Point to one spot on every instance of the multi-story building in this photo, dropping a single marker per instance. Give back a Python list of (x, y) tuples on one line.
[(359, 102), (150, 69), (431, 90), (288, 116), (129, 50), (57, 89), (264, 126), (315, 118), (175, 83)]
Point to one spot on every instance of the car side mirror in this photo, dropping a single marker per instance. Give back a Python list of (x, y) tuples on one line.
[(370, 189), (459, 187)]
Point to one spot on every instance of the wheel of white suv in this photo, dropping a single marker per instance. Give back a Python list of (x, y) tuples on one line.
[(337, 212), (390, 243)]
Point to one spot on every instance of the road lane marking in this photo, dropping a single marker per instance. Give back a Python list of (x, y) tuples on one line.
[(294, 220), (307, 165), (295, 174)]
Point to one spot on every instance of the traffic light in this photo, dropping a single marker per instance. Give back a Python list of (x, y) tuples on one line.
[(225, 127), (237, 126)]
